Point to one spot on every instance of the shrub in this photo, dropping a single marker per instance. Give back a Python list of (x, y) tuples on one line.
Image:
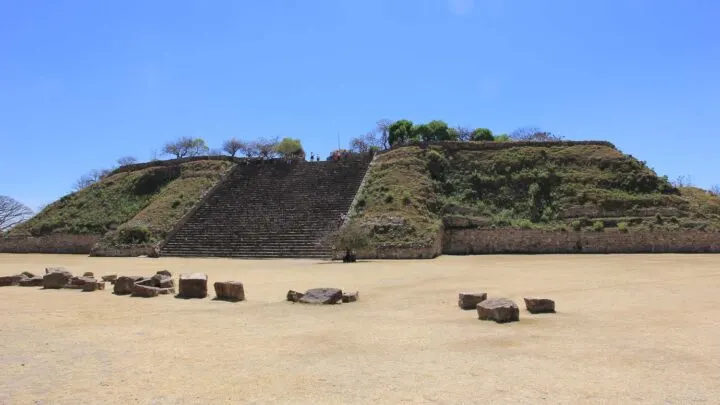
[(524, 224), (576, 225), (133, 234), (622, 227), (598, 226)]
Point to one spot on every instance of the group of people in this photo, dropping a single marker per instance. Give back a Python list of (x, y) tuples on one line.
[(314, 157)]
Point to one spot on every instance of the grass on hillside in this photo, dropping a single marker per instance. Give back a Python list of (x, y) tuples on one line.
[(398, 201), (582, 187), (155, 197)]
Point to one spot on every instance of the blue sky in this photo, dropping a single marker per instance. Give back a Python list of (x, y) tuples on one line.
[(85, 82)]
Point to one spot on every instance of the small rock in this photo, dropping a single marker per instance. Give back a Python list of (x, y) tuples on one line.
[(229, 290), (56, 279), (470, 300), (94, 285), (326, 296), (28, 274), (124, 284), (164, 273), (294, 296), (350, 296), (500, 310), (540, 305), (145, 291), (31, 282), (7, 281), (88, 274), (193, 285), (81, 281), (110, 278), (161, 280)]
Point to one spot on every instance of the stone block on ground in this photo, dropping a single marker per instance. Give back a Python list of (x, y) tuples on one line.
[(145, 291), (325, 296), (28, 274), (56, 279), (7, 281), (162, 280), (540, 305), (500, 310), (88, 274), (229, 290), (193, 285), (31, 282), (294, 296), (470, 300), (124, 284), (81, 281), (164, 273), (94, 286), (49, 270), (350, 296), (110, 278)]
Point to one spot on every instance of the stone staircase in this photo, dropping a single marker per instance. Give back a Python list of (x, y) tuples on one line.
[(271, 209)]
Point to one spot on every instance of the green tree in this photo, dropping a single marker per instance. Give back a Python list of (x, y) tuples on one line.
[(420, 132), (439, 131), (400, 132), (502, 138), (290, 148), (482, 134)]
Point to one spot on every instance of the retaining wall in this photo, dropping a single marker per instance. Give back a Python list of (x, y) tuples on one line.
[(55, 243), (485, 241)]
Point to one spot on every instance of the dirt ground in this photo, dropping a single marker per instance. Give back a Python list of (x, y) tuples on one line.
[(629, 329)]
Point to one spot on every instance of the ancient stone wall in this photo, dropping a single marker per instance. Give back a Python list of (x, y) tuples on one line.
[(55, 243), (482, 241), (123, 250)]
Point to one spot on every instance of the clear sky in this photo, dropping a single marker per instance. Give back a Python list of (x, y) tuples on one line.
[(85, 82)]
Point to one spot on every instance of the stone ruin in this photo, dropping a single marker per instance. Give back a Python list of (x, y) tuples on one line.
[(322, 296), (502, 310), (54, 278), (232, 291), (161, 283), (193, 285)]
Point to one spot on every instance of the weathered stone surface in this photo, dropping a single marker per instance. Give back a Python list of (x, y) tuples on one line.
[(141, 290), (56, 279), (540, 305), (28, 274), (294, 296), (49, 270), (94, 285), (124, 284), (7, 281), (470, 300), (162, 280), (81, 281), (327, 296), (111, 278), (154, 253), (229, 290), (164, 291), (193, 285), (350, 296), (88, 274), (500, 310), (31, 282), (164, 273)]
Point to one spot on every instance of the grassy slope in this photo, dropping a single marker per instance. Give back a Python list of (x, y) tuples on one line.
[(550, 187), (149, 197), (398, 200)]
